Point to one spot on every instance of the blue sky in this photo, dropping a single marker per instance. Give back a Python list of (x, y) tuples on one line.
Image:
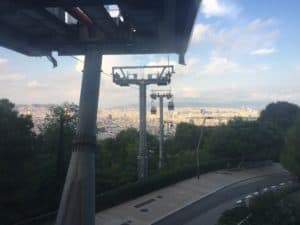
[(242, 53)]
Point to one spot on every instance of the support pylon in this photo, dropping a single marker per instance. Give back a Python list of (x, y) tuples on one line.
[(161, 94), (123, 79), (77, 205)]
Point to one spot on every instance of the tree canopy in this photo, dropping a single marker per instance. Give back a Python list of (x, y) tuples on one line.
[(282, 114), (33, 166), (16, 162), (245, 141), (291, 155)]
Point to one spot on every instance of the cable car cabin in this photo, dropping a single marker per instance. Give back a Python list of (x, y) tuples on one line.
[(170, 105), (165, 79), (153, 110), (153, 96)]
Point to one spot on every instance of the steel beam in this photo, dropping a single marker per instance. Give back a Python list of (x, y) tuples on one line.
[(77, 206), (163, 67), (191, 9), (102, 20), (143, 153), (12, 39), (161, 130), (32, 4), (161, 94), (52, 22)]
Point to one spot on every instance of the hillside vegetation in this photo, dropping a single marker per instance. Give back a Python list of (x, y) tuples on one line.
[(33, 166)]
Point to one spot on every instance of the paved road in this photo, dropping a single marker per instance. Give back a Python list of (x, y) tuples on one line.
[(207, 210)]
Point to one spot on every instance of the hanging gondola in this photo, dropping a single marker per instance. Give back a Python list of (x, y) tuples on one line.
[(153, 108), (171, 105)]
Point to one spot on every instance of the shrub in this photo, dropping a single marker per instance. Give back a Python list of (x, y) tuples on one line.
[(157, 181)]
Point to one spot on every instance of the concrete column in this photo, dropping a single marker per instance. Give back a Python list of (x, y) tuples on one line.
[(77, 206), (161, 130), (143, 153)]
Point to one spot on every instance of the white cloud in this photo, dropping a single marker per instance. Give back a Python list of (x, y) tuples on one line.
[(3, 61), (189, 70), (220, 66), (263, 67), (108, 61), (281, 94), (212, 8), (79, 64), (6, 73), (34, 84), (11, 77), (236, 94), (186, 92), (263, 51), (66, 87), (239, 39), (260, 23), (200, 32)]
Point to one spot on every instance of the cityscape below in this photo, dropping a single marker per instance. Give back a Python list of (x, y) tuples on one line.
[(111, 121)]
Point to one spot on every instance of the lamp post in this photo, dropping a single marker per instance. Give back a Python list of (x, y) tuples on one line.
[(198, 145)]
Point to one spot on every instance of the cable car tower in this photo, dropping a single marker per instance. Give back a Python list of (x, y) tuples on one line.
[(161, 94), (125, 79)]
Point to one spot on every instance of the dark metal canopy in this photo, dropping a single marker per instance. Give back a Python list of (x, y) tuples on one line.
[(38, 27)]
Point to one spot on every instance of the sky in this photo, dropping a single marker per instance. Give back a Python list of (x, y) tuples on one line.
[(241, 53)]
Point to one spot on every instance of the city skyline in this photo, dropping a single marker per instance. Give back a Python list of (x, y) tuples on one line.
[(112, 121)]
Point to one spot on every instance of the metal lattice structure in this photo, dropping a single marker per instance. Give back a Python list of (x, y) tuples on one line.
[(125, 79), (37, 28)]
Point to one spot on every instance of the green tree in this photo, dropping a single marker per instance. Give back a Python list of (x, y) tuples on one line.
[(181, 149), (282, 114), (152, 147), (57, 132), (280, 208), (16, 163), (186, 137), (55, 145), (291, 155), (116, 160), (245, 141)]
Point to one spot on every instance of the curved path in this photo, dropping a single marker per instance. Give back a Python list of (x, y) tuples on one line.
[(207, 210), (170, 201)]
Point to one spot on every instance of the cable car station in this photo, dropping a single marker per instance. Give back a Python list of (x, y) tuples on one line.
[(91, 28)]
